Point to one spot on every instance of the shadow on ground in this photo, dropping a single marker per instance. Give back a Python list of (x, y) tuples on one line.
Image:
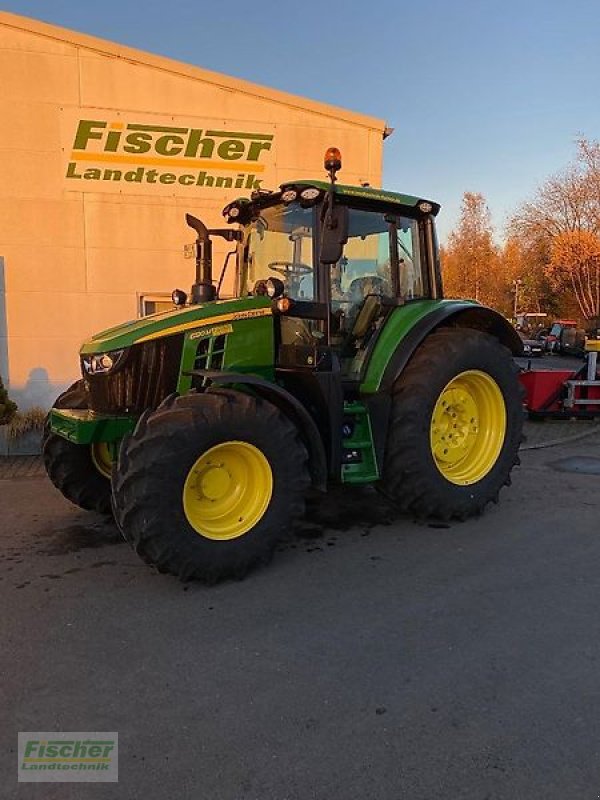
[(345, 507), (98, 532)]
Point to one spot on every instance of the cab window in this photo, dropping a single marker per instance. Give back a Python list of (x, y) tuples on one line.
[(365, 267), (409, 259), (280, 245)]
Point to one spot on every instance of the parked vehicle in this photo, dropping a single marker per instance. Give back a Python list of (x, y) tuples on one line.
[(531, 323), (337, 361), (532, 348), (565, 338)]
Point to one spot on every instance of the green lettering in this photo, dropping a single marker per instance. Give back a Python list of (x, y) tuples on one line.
[(206, 146), (168, 177), (186, 180), (193, 141), (138, 142), (112, 142), (231, 149), (225, 183), (32, 744), (112, 175), (79, 749), (252, 182), (151, 176), (71, 173), (255, 149), (86, 131), (169, 145), (135, 175), (204, 179), (92, 174)]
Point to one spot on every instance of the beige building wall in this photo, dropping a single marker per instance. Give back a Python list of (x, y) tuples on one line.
[(78, 248)]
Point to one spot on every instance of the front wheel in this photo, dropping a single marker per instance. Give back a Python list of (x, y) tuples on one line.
[(456, 426), (209, 483), (80, 472)]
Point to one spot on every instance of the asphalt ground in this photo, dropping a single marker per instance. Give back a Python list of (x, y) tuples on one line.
[(374, 658)]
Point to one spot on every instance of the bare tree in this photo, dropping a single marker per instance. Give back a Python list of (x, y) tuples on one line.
[(564, 216)]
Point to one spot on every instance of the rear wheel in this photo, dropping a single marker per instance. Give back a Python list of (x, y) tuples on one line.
[(208, 484), (80, 472), (456, 426)]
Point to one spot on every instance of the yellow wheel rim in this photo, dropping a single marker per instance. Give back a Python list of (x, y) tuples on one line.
[(227, 490), (468, 427), (102, 458)]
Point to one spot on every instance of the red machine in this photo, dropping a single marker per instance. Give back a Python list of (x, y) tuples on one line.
[(564, 393)]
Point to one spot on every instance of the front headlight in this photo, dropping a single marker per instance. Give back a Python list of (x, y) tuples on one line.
[(99, 363)]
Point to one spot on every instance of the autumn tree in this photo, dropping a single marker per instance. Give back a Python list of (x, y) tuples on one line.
[(470, 259), (575, 264), (588, 156), (564, 218), (523, 261)]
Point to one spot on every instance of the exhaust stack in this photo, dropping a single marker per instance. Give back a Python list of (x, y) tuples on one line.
[(203, 290)]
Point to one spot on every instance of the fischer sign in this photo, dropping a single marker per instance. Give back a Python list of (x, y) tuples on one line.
[(107, 151)]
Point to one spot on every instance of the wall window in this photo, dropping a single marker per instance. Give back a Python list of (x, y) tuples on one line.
[(154, 304)]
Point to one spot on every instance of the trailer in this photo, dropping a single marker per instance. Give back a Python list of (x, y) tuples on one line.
[(564, 393)]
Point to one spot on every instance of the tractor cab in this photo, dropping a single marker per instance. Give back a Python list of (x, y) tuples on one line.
[(336, 260)]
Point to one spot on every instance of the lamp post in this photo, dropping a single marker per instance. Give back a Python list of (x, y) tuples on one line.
[(516, 283)]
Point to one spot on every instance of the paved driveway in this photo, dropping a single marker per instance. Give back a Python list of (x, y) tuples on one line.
[(374, 659)]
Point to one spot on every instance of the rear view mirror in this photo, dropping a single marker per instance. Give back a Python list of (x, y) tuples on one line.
[(334, 234)]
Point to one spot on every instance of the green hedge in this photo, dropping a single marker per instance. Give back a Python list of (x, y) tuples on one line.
[(7, 407)]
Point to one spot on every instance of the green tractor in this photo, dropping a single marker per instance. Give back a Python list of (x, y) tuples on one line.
[(338, 361)]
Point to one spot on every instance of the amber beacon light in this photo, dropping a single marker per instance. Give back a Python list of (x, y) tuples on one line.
[(333, 161)]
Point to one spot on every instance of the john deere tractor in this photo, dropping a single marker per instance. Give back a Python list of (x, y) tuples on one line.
[(338, 360)]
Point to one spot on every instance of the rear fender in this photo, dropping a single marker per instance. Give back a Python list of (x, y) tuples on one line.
[(455, 315), (376, 392)]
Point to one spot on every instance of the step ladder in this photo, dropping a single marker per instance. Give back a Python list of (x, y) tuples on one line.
[(359, 463)]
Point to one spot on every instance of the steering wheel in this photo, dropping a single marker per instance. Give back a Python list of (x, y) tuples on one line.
[(289, 269)]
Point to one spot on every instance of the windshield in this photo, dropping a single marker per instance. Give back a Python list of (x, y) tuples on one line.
[(280, 245)]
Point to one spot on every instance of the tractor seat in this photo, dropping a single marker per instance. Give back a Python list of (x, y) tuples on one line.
[(363, 298), (366, 316), (361, 287)]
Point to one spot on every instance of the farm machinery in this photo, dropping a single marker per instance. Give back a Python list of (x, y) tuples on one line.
[(565, 393), (338, 360)]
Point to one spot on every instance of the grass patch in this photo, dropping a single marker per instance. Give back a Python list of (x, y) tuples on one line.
[(24, 422)]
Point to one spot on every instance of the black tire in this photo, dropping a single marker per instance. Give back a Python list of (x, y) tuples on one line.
[(155, 460), (411, 477), (70, 466)]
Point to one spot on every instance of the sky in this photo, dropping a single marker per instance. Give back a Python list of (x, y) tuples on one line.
[(483, 96)]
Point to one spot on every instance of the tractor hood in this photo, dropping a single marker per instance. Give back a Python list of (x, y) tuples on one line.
[(177, 321)]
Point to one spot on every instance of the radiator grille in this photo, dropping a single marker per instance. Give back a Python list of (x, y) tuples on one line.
[(148, 374)]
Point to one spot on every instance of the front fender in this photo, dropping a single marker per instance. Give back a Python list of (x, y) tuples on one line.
[(409, 325), (289, 405)]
